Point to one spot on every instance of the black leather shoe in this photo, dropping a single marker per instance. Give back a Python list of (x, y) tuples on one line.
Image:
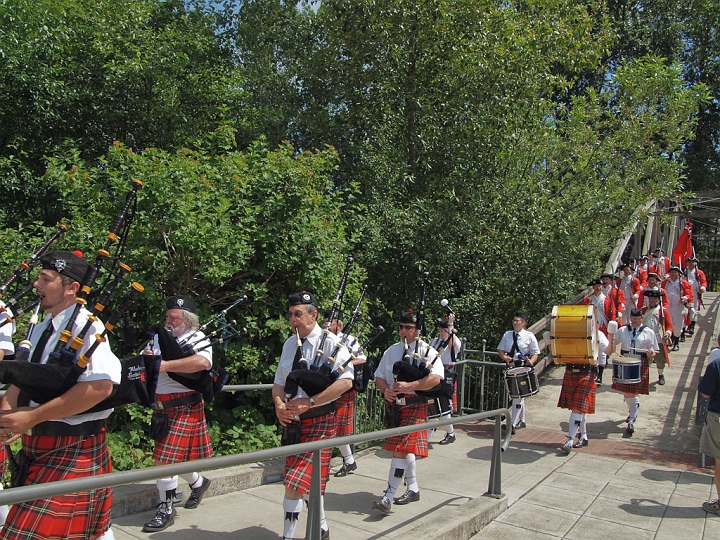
[(521, 425), (197, 494), (447, 439), (161, 521), (346, 469), (631, 427), (384, 505), (408, 497), (661, 379), (324, 535), (504, 428), (580, 443), (682, 337), (676, 347)]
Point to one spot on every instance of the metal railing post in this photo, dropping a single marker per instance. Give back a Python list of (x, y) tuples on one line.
[(495, 481), (312, 531)]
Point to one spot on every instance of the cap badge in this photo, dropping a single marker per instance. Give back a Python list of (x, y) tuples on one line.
[(60, 264)]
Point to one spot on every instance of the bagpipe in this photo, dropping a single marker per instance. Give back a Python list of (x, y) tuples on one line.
[(411, 371), (43, 382), (207, 381), (316, 376)]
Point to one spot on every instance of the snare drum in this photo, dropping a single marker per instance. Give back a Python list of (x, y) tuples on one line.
[(626, 370), (573, 334), (521, 382), (438, 406)]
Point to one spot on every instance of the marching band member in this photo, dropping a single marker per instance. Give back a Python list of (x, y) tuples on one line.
[(448, 357), (641, 271), (59, 440), (187, 435), (660, 264), (679, 293), (636, 341), (413, 409), (653, 284), (630, 286), (578, 393), (521, 347), (657, 318), (346, 403), (316, 413), (606, 313), (697, 280), (616, 296)]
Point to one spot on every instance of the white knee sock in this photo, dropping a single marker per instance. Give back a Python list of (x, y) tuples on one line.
[(410, 473), (430, 433), (107, 535), (517, 406), (449, 429), (583, 427), (166, 490), (346, 453), (660, 371), (395, 478), (292, 509), (323, 521), (633, 404), (192, 479), (522, 403), (574, 424)]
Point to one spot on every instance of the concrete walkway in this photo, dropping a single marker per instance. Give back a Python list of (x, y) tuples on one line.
[(648, 486)]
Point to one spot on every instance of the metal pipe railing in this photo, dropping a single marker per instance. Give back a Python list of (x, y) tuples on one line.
[(62, 487)]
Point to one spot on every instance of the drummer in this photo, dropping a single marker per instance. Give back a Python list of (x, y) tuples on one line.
[(520, 347), (579, 389), (636, 341)]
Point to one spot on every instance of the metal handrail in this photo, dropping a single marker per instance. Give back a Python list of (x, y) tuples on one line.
[(62, 487)]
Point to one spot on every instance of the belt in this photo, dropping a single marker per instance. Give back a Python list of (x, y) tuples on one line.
[(579, 367), (191, 399), (322, 410), (414, 400), (640, 355), (59, 429)]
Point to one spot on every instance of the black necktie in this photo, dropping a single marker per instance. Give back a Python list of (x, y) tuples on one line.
[(634, 331), (37, 354)]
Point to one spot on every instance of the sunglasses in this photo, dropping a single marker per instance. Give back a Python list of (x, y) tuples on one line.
[(407, 326), (297, 314)]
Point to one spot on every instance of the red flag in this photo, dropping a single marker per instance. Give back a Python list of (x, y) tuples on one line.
[(683, 248)]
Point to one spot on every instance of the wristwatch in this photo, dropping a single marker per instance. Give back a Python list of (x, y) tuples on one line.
[(312, 402)]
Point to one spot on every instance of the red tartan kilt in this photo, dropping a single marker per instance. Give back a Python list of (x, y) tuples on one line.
[(76, 515), (3, 459), (298, 467), (578, 390), (410, 443), (345, 414), (642, 388), (187, 437)]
